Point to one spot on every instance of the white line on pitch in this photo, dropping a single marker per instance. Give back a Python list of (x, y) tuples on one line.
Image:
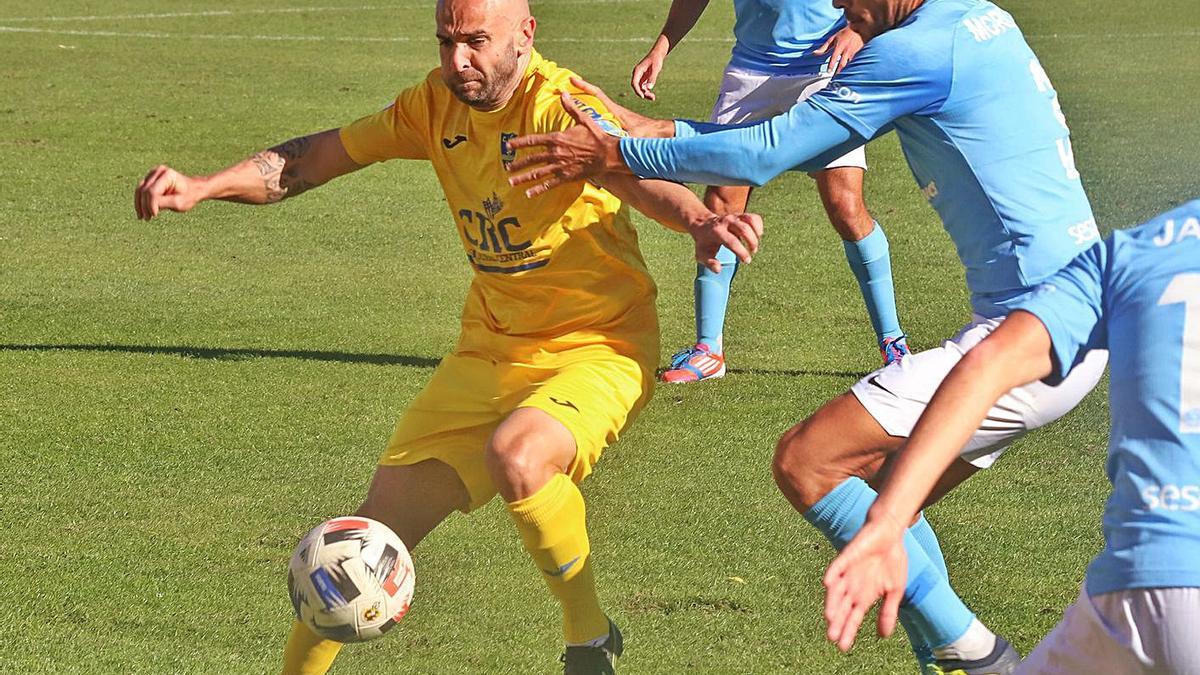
[(359, 38), (293, 38), (268, 10)]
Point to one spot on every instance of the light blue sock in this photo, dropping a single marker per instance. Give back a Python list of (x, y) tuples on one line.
[(871, 262), (712, 298), (924, 535), (929, 543), (932, 614)]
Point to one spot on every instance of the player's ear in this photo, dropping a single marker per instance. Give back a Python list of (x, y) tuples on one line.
[(525, 33)]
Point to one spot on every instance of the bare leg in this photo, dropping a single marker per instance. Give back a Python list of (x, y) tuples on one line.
[(839, 441), (414, 499), (841, 191), (726, 199), (867, 252)]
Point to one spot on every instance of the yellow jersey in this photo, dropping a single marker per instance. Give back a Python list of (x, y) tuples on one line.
[(559, 270)]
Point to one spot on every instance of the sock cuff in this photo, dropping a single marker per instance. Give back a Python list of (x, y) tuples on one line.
[(835, 507), (870, 248), (546, 504)]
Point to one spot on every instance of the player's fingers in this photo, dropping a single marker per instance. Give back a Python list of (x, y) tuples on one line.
[(850, 629), (755, 221), (137, 201), (526, 161), (637, 81), (747, 234), (820, 51), (573, 109), (147, 191), (592, 90), (734, 244), (838, 60), (163, 183), (530, 176), (531, 140), (833, 573), (837, 604), (712, 264), (544, 186), (171, 203), (889, 612)]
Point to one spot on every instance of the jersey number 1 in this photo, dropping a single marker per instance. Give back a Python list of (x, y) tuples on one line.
[(1185, 288)]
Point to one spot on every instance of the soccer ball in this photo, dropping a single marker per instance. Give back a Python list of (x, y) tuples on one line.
[(351, 579)]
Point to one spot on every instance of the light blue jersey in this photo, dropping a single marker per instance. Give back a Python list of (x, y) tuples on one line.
[(980, 126), (1138, 295), (780, 36)]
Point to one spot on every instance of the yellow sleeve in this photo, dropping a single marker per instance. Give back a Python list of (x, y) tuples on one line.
[(558, 119), (399, 131)]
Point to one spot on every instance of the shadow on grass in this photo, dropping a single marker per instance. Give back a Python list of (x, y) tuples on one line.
[(219, 354), (799, 373), (234, 354)]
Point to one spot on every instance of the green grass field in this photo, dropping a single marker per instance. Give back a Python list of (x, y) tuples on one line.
[(181, 400)]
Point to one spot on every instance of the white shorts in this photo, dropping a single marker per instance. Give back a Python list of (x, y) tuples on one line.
[(1144, 630), (750, 95), (896, 395)]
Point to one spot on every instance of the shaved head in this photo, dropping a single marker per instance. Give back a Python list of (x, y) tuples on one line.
[(485, 47)]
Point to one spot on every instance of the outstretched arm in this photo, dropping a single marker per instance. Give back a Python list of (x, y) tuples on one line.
[(682, 16), (679, 209), (277, 173), (805, 137), (872, 566)]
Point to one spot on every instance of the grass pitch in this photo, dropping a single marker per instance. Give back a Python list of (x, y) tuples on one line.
[(181, 400)]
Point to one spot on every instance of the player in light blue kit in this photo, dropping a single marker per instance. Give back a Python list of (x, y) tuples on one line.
[(1138, 295), (981, 127), (786, 50)]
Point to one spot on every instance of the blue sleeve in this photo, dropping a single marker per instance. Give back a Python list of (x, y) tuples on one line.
[(905, 71), (1071, 306), (804, 137)]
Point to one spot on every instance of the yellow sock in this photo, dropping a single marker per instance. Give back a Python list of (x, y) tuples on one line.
[(308, 653), (554, 530)]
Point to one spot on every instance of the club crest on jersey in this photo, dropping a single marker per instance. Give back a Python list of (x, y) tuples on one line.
[(493, 205), (507, 154)]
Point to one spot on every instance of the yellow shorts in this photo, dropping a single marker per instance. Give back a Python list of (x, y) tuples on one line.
[(592, 390)]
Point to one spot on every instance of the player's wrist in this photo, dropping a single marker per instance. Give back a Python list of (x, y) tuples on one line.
[(888, 519), (662, 46), (698, 219)]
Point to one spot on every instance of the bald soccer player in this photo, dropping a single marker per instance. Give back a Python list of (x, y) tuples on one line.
[(559, 332)]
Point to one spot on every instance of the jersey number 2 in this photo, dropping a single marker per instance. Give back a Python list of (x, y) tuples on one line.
[(1185, 288)]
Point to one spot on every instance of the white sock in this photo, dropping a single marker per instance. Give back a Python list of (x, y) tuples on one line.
[(977, 643)]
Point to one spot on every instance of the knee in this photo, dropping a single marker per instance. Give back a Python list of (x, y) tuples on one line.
[(848, 214), (511, 457), (805, 468)]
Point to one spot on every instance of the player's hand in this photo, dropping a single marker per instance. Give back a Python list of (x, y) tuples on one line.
[(165, 188), (645, 73), (581, 152), (873, 566), (738, 232), (842, 46), (633, 123)]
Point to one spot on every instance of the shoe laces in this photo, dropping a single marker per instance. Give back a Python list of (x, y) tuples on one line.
[(684, 355)]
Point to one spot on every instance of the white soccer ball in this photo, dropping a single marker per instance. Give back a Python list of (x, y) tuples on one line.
[(351, 579)]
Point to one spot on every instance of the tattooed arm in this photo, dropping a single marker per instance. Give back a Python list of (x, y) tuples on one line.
[(283, 171)]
